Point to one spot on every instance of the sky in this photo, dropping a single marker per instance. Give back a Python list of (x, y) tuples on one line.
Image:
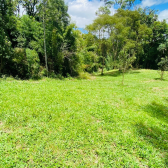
[(82, 12)]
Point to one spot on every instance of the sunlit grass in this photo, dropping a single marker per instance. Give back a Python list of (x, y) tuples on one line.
[(85, 123)]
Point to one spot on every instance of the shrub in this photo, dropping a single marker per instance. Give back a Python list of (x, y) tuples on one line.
[(52, 75), (109, 63), (43, 71), (20, 62), (84, 75), (33, 63)]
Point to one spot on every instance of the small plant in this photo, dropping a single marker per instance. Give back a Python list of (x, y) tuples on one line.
[(4, 77), (52, 75), (43, 72), (68, 76), (84, 75), (59, 76), (163, 66)]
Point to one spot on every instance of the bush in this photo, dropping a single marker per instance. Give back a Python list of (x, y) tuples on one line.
[(89, 61), (84, 75), (43, 72), (20, 63), (33, 63), (59, 76), (52, 75), (109, 63)]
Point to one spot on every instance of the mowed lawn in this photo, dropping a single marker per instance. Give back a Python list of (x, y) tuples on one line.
[(85, 123)]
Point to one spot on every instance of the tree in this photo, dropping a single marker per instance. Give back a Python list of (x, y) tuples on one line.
[(60, 37), (7, 35), (163, 66), (103, 10), (30, 36), (99, 28), (88, 53), (126, 57), (122, 3), (163, 47), (30, 6), (44, 28), (30, 33), (151, 55)]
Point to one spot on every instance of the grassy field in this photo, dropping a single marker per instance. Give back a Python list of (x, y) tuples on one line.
[(85, 123)]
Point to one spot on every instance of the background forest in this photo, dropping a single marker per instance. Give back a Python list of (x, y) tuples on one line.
[(43, 42)]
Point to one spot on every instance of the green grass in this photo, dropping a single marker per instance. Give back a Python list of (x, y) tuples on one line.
[(85, 123)]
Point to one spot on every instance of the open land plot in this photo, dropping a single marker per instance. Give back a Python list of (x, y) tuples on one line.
[(85, 123)]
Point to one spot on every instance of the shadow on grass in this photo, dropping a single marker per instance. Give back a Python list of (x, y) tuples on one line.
[(158, 111), (156, 135), (160, 79), (166, 99), (116, 73), (134, 72)]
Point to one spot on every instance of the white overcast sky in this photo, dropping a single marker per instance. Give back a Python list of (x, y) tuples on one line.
[(82, 12)]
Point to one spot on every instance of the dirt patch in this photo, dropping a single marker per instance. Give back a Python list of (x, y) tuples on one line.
[(156, 89), (3, 129), (127, 132), (103, 132), (92, 78), (1, 123), (149, 81)]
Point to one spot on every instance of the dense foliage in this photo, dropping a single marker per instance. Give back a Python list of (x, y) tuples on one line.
[(43, 42), (22, 39), (132, 38)]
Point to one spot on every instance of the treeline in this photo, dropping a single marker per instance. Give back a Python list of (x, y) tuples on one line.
[(130, 38), (42, 42), (39, 43)]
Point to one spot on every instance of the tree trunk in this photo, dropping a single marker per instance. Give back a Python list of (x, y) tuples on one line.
[(45, 41), (162, 72), (123, 78), (116, 51), (102, 66), (1, 65)]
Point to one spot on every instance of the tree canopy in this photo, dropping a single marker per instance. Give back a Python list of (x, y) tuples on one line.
[(43, 41)]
